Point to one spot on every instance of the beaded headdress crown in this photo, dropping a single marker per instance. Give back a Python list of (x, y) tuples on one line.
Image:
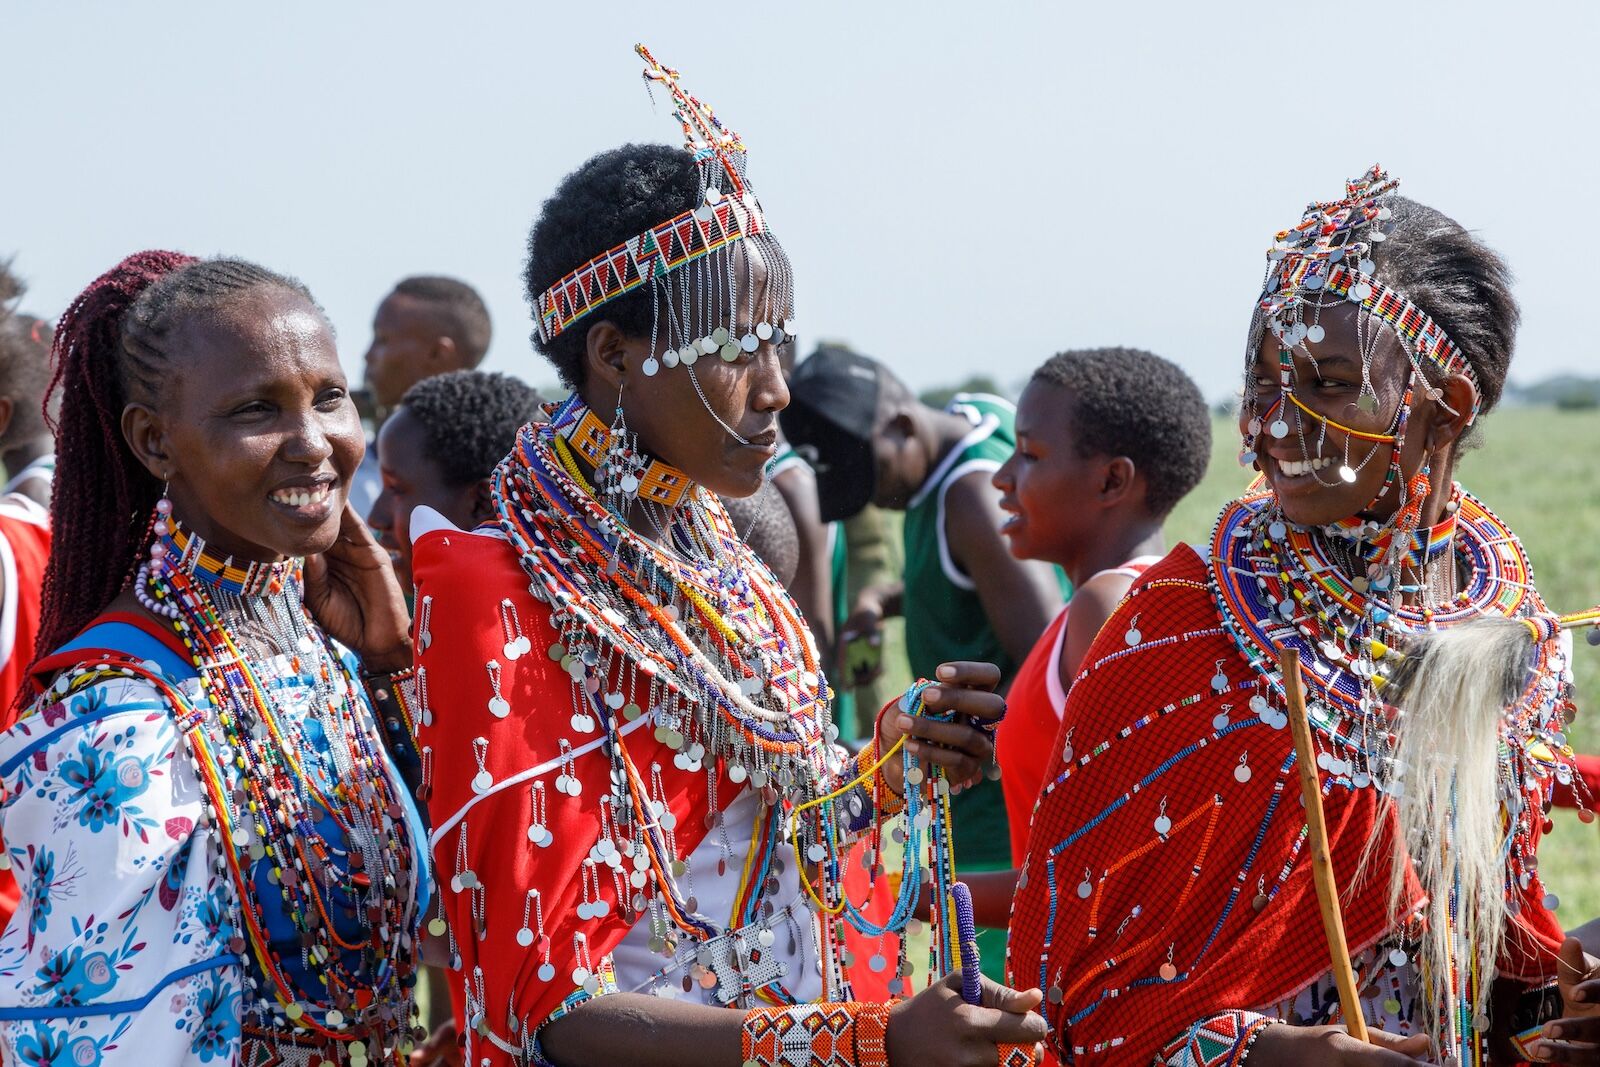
[(699, 310), (1328, 255)]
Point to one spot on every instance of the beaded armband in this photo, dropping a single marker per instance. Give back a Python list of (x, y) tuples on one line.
[(816, 1035), (1220, 1040)]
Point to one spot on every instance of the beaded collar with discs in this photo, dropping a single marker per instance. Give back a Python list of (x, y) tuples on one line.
[(729, 664), (342, 859)]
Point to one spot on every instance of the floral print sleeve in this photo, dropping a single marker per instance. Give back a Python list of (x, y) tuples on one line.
[(120, 951)]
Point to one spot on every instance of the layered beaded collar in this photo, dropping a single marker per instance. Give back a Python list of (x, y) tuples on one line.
[(729, 665), (1278, 584), (652, 480), (185, 551), (1375, 543)]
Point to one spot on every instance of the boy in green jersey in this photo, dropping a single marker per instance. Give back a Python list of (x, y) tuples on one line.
[(963, 595)]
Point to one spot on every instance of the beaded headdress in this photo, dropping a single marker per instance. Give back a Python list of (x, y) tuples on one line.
[(704, 298), (1325, 260)]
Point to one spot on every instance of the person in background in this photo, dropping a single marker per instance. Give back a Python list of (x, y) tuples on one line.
[(1108, 441), (963, 596), (26, 447), (439, 447), (427, 325)]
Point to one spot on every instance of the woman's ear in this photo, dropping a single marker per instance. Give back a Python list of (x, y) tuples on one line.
[(1453, 407), (147, 439), (605, 357)]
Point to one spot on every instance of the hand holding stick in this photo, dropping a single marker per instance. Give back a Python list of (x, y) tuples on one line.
[(1321, 861)]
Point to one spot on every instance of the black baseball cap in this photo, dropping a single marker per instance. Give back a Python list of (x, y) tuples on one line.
[(833, 407)]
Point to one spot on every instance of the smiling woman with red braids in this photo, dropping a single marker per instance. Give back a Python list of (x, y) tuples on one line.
[(218, 859)]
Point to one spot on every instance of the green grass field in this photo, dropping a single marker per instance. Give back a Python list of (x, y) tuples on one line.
[(1536, 469)]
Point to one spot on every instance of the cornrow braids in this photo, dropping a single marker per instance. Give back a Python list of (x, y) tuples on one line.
[(113, 347)]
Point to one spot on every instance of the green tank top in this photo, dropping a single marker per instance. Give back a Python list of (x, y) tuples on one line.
[(945, 619)]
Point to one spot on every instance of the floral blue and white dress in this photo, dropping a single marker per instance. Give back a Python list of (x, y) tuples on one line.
[(123, 949)]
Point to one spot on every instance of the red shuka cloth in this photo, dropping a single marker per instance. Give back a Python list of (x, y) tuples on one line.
[(24, 549), (466, 576), (1145, 738)]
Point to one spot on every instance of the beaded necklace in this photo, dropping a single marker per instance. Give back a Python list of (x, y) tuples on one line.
[(1278, 585), (332, 839), (731, 673)]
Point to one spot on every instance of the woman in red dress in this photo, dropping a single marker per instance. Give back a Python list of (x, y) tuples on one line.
[(1167, 905), (638, 806)]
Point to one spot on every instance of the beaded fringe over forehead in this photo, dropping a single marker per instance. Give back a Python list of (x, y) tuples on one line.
[(727, 213), (1330, 252)]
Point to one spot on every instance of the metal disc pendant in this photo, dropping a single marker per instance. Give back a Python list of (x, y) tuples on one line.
[(1279, 429), (651, 367), (482, 782), (1163, 825), (1347, 473), (1315, 334), (524, 937), (1167, 972), (499, 707), (729, 352), (764, 330), (1241, 773), (1085, 890), (749, 342)]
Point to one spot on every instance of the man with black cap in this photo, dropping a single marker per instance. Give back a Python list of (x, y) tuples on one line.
[(964, 596)]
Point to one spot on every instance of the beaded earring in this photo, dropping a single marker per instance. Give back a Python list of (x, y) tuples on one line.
[(617, 475), (160, 527)]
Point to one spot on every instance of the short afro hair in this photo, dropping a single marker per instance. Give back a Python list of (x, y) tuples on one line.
[(470, 420), (25, 342), (613, 197), (1461, 283), (461, 311), (1129, 402)]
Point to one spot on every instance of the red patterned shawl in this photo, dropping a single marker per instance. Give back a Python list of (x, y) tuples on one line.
[(466, 576), (1144, 745)]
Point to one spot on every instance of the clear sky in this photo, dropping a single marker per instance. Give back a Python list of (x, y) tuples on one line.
[(962, 187)]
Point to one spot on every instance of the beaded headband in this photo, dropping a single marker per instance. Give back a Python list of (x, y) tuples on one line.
[(1330, 252), (728, 213)]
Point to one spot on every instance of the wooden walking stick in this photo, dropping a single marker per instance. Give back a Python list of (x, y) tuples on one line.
[(1321, 860)]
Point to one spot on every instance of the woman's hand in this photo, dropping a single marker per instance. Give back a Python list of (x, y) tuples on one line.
[(1316, 1046), (966, 689), (353, 594), (937, 1027), (440, 1050), (1575, 1037)]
